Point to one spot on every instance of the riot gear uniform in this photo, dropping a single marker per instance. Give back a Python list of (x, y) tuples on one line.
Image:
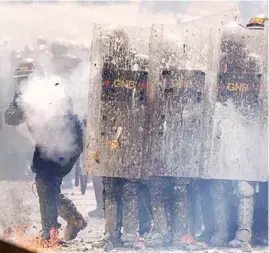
[(49, 172), (238, 66), (177, 104), (245, 189), (123, 93)]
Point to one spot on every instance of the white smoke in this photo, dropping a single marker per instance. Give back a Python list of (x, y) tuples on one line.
[(239, 140), (46, 107), (77, 89)]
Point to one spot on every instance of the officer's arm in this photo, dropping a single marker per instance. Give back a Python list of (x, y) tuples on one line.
[(14, 114)]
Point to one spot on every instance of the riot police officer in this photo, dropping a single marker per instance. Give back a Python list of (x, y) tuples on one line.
[(246, 190), (175, 113), (123, 97), (238, 105), (49, 171)]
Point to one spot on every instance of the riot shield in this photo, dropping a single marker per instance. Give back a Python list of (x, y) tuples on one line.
[(235, 140), (264, 107), (217, 20), (116, 136), (179, 77)]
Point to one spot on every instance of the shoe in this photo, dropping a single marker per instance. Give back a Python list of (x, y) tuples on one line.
[(73, 228)]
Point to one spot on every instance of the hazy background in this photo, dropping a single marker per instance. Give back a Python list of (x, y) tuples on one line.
[(23, 22)]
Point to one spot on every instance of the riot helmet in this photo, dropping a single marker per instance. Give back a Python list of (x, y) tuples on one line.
[(25, 69), (257, 23)]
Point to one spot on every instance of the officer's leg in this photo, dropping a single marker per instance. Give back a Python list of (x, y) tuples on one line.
[(112, 211), (145, 210), (198, 227), (130, 221), (158, 235), (75, 222), (245, 212), (207, 210), (48, 189), (220, 213), (98, 188), (180, 210)]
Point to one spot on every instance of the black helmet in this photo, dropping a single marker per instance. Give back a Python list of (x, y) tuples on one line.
[(257, 22), (25, 69)]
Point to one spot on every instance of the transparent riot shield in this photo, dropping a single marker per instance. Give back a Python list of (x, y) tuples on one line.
[(116, 134), (235, 143), (179, 77), (219, 19), (264, 109)]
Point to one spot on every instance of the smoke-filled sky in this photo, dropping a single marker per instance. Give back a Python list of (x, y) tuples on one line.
[(23, 22)]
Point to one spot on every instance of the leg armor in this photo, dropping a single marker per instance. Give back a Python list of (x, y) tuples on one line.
[(245, 211)]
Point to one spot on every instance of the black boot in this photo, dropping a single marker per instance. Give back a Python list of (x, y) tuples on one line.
[(220, 214)]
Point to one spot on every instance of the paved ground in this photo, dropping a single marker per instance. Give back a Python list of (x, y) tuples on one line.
[(19, 206)]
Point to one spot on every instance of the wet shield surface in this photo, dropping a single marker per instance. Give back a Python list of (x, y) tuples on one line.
[(236, 143), (116, 118), (180, 58)]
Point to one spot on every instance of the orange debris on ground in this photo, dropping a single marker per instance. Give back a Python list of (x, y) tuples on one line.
[(18, 236)]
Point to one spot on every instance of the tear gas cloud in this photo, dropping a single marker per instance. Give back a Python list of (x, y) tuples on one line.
[(232, 127), (46, 107)]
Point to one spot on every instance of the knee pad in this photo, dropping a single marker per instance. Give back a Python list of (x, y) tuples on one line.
[(245, 189)]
